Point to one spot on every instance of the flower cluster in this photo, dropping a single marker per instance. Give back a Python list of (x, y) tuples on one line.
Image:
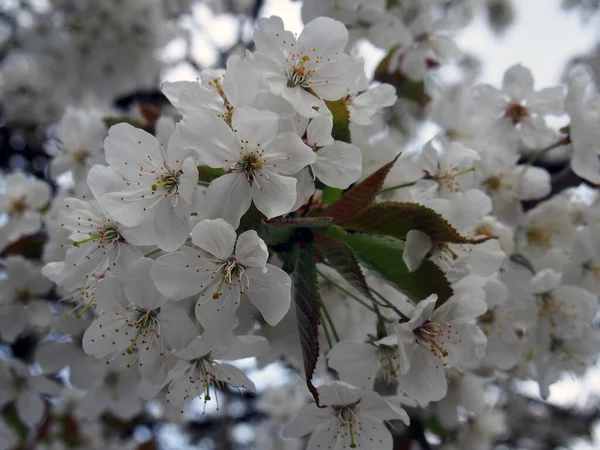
[(271, 214)]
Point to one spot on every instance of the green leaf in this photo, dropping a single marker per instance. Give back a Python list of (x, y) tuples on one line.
[(359, 196), (305, 222), (330, 195), (343, 260), (383, 255), (109, 121), (251, 219), (341, 120), (308, 301), (273, 235), (398, 218), (208, 174)]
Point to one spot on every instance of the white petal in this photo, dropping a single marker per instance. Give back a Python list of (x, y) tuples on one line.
[(365, 105), (287, 154), (217, 316), (244, 347), (586, 164), (535, 182), (181, 274), (99, 337), (333, 78), (254, 127), (233, 376), (241, 84), (274, 194), (304, 103), (170, 230), (102, 180), (376, 434), (176, 328), (270, 292), (110, 295), (318, 131), (13, 321), (219, 148), (308, 419), (215, 236), (128, 148), (338, 165), (138, 290), (251, 250), (535, 133), (423, 382), (357, 364), (517, 81), (229, 197), (416, 247), (269, 37), (323, 34), (489, 98), (30, 407), (547, 101), (132, 206)]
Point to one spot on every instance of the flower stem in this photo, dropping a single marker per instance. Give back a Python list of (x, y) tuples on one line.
[(328, 318), (399, 186), (327, 336), (389, 304), (538, 153), (345, 291)]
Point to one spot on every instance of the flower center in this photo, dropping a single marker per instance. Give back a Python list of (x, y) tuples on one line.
[(431, 334), (23, 295), (538, 237), (298, 74), (232, 277), (493, 183), (18, 206), (169, 182), (107, 234), (347, 417), (516, 112), (80, 156), (250, 164), (145, 322), (390, 365), (487, 318)]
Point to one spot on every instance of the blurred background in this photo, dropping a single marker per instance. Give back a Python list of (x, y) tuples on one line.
[(60, 53)]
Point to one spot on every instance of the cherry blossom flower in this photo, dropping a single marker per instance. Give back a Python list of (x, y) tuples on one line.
[(199, 368), (258, 163), (22, 200), (517, 110), (81, 133), (363, 103), (223, 270), (583, 106), (338, 163), (19, 386), (362, 364), (314, 62), (221, 93), (115, 392), (435, 339), (99, 242), (353, 418), (158, 185), (21, 298), (136, 322)]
